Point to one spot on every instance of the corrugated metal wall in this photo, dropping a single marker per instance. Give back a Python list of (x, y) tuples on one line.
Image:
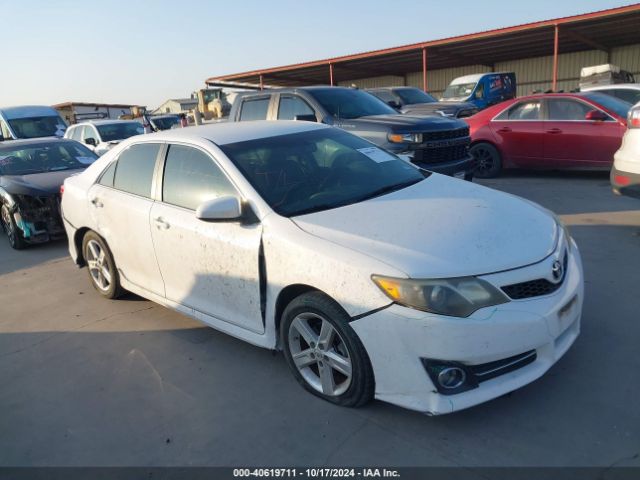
[(531, 73)]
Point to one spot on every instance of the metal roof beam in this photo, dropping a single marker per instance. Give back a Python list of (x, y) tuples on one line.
[(582, 39)]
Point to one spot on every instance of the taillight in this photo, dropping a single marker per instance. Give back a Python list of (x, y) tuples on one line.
[(621, 180), (61, 189), (633, 119)]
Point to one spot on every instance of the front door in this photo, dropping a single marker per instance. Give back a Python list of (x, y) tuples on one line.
[(121, 204), (212, 267)]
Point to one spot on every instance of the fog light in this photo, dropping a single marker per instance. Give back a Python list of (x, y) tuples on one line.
[(451, 377)]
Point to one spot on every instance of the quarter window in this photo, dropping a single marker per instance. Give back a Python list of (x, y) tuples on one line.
[(5, 130), (292, 106), (255, 109), (106, 178), (192, 177), (134, 172), (563, 109)]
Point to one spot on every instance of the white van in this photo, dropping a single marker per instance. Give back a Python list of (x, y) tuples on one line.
[(30, 122)]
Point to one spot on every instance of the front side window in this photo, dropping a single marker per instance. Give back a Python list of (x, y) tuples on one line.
[(319, 170), (88, 132), (291, 106), (255, 109), (611, 103), (528, 110), (134, 171), (412, 96), (348, 103), (460, 90), (191, 177), (76, 133), (564, 109), (119, 131), (384, 95)]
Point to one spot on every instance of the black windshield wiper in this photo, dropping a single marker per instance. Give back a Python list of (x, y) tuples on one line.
[(388, 189)]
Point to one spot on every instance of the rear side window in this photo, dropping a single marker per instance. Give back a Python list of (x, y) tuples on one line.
[(566, 109), (529, 110), (192, 177), (292, 106), (254, 109), (134, 172)]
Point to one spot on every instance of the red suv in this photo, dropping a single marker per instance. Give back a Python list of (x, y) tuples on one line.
[(551, 131)]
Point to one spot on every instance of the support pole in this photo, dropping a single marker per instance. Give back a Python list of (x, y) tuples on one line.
[(261, 84), (331, 74), (554, 83), (424, 68)]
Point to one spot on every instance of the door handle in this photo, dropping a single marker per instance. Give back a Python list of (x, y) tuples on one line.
[(161, 224), (504, 130), (96, 202), (554, 131)]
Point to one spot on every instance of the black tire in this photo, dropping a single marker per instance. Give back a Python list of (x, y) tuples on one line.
[(11, 230), (488, 161), (361, 386), (114, 289)]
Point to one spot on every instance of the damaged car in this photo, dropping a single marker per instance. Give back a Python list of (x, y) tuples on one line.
[(31, 174)]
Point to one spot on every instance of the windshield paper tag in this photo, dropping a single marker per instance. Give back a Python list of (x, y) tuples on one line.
[(86, 160), (376, 154)]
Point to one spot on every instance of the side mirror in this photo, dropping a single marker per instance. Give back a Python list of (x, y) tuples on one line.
[(90, 141), (596, 115), (306, 118), (221, 209), (394, 104)]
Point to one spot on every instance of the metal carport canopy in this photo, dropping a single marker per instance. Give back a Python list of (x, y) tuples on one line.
[(601, 30)]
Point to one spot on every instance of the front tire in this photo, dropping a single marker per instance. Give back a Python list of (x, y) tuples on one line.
[(488, 161), (101, 266), (16, 240), (323, 351)]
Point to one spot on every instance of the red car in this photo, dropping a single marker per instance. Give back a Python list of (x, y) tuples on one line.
[(553, 131)]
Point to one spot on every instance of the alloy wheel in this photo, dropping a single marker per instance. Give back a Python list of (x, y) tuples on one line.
[(484, 159), (98, 265), (320, 354)]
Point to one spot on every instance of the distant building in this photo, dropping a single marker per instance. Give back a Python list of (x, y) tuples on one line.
[(74, 112), (177, 105)]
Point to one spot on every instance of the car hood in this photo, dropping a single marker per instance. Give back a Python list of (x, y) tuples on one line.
[(408, 123), (441, 227), (433, 107), (47, 183)]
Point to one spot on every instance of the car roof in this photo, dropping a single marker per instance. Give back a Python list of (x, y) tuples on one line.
[(27, 142), (232, 132), (103, 122), (624, 86), (23, 111), (474, 77)]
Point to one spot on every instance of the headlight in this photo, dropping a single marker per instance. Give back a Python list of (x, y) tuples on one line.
[(405, 137), (457, 297)]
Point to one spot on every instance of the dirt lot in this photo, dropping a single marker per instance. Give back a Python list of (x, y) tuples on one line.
[(87, 381)]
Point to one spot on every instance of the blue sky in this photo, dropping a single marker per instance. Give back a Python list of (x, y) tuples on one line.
[(143, 51)]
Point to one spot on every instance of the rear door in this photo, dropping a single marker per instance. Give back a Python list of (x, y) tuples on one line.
[(120, 204), (518, 132), (573, 141)]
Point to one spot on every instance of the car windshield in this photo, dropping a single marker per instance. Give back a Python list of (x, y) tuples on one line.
[(119, 131), (461, 90), (616, 105), (350, 103), (36, 127), (44, 157), (411, 96), (319, 170), (165, 123)]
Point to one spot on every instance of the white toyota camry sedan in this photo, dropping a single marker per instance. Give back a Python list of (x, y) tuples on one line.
[(375, 278)]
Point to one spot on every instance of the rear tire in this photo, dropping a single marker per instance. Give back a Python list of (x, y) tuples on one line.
[(101, 266), (323, 351), (488, 161), (14, 235)]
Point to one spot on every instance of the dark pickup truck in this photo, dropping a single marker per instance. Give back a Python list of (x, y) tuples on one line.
[(413, 101), (436, 143)]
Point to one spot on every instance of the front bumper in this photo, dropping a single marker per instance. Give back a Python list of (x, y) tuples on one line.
[(38, 218), (398, 339)]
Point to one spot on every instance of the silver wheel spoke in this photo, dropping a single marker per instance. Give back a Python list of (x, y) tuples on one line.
[(326, 378), (93, 247), (304, 359), (303, 328), (92, 264), (106, 275), (326, 335), (338, 363)]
